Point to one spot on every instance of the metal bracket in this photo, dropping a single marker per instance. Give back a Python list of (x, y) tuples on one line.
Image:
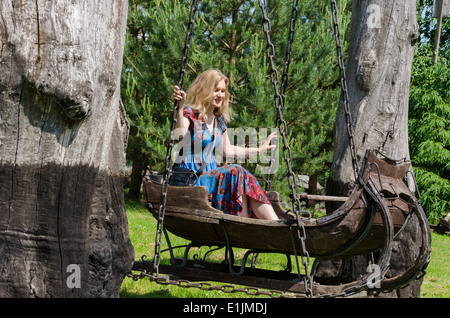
[(331, 216)]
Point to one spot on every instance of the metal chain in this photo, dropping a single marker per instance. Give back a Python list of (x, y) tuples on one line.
[(226, 288), (282, 125), (290, 42), (285, 76), (343, 78), (168, 160)]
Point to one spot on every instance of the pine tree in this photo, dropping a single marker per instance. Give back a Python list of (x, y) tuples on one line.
[(151, 67), (229, 36)]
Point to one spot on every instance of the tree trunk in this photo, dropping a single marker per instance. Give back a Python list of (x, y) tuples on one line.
[(312, 187), (378, 74), (137, 171), (63, 134)]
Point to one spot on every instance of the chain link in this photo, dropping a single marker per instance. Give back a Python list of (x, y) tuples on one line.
[(282, 126), (168, 159), (344, 90), (227, 288), (285, 75)]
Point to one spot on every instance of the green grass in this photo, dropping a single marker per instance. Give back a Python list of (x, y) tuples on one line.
[(436, 282), (142, 233)]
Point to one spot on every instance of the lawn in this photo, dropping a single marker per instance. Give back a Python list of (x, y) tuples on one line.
[(142, 233)]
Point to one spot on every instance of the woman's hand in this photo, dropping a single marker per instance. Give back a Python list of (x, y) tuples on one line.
[(182, 122), (179, 94), (266, 145)]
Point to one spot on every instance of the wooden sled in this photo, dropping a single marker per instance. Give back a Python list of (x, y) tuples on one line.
[(377, 209)]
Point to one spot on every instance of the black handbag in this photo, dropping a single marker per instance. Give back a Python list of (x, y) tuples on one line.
[(183, 177)]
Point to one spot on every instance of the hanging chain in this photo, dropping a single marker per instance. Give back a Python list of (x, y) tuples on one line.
[(344, 90), (172, 139), (226, 288), (282, 125), (290, 42), (279, 102), (284, 76)]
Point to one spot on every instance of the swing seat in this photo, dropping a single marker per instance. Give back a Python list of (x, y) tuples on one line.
[(377, 210), (356, 227)]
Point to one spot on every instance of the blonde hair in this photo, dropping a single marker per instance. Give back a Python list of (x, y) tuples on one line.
[(201, 91)]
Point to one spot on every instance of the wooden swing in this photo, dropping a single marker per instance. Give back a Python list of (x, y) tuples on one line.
[(368, 221)]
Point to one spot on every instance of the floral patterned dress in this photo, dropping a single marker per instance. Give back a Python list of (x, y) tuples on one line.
[(225, 184)]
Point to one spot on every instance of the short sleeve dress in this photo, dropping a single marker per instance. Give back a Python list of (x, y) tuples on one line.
[(225, 184)]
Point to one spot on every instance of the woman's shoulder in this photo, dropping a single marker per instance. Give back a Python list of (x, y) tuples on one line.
[(190, 113), (221, 122)]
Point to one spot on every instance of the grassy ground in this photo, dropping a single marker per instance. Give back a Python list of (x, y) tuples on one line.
[(142, 232), (436, 283)]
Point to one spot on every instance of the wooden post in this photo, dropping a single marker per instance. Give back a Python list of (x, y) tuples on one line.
[(438, 30)]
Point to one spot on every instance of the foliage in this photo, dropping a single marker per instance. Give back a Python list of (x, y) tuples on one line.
[(229, 35), (429, 131), (427, 27), (145, 81), (429, 115)]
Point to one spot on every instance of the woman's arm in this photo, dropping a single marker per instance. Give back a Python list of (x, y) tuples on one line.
[(230, 151)]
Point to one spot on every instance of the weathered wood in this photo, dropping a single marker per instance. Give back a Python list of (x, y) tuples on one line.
[(445, 221), (316, 197), (288, 282), (63, 133), (357, 227), (383, 35), (378, 77), (189, 214), (203, 224)]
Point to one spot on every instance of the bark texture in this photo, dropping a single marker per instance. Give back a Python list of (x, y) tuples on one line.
[(378, 76), (63, 134)]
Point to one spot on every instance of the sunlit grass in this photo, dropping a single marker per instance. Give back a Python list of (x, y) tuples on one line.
[(436, 282)]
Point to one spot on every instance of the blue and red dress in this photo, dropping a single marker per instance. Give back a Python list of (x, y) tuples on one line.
[(225, 184)]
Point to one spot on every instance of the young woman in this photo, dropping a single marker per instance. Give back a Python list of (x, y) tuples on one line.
[(202, 120)]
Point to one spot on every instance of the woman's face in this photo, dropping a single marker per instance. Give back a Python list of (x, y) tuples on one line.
[(219, 95)]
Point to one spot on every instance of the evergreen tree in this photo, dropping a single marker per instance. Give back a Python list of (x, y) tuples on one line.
[(313, 94), (153, 50), (229, 35)]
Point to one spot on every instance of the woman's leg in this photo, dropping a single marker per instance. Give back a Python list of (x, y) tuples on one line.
[(244, 212), (262, 210)]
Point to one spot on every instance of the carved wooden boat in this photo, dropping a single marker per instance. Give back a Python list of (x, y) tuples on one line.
[(377, 209), (355, 228)]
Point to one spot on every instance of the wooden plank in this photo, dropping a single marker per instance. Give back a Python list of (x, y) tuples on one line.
[(315, 197)]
